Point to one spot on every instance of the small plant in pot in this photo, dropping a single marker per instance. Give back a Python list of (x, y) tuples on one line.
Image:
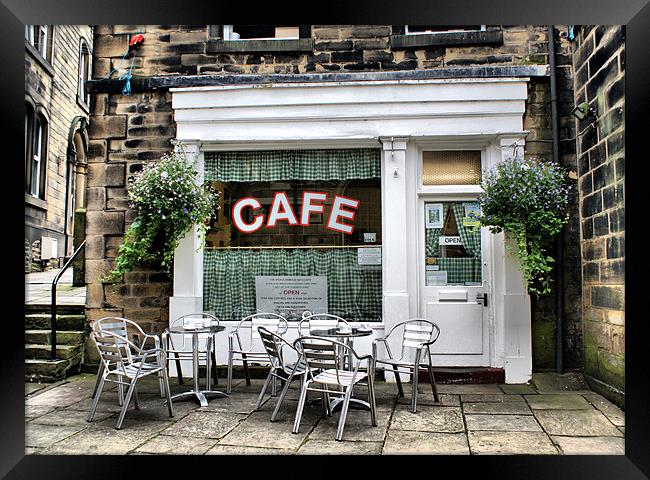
[(168, 202), (527, 199)]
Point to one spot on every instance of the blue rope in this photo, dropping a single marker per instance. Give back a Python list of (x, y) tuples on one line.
[(127, 77)]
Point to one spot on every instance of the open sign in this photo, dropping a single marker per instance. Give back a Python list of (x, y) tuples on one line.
[(449, 240)]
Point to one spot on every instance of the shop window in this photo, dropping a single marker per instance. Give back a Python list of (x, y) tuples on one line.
[(304, 214), (41, 38), (451, 167), (452, 244), (36, 130)]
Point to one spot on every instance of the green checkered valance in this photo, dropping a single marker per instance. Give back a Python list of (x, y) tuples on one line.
[(354, 292), (461, 270), (274, 165)]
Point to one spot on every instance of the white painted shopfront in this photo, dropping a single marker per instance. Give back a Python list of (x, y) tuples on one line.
[(404, 119)]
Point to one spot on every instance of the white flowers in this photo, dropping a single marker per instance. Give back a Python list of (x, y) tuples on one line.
[(163, 174)]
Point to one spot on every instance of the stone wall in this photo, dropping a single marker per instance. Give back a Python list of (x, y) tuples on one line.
[(54, 87), (129, 130), (599, 62)]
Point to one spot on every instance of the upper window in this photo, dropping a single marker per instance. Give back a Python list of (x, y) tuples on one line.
[(84, 73), (422, 36), (40, 37), (260, 32), (259, 38), (36, 130), (451, 167), (419, 29)]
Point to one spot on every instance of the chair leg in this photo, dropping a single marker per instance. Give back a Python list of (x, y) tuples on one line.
[(266, 385), (161, 381), (127, 400), (432, 380), (282, 395), (229, 381), (98, 393), (100, 372), (344, 414), (214, 362), (246, 372), (208, 364), (136, 401), (120, 391), (416, 371), (400, 389), (168, 394), (177, 357), (301, 405), (274, 387), (371, 398)]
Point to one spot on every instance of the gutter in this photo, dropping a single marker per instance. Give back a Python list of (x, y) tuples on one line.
[(559, 265)]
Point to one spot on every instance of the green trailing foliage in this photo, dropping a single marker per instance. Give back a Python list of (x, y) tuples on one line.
[(527, 200), (168, 201)]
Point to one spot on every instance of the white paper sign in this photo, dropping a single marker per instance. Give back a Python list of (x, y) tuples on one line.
[(369, 237), (369, 256), (289, 296), (433, 215), (449, 240), (436, 277)]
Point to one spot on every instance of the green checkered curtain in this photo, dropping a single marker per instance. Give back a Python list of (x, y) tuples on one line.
[(470, 236), (432, 235), (461, 270), (273, 165), (354, 292)]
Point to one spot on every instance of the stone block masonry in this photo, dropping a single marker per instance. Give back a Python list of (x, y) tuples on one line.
[(599, 62)]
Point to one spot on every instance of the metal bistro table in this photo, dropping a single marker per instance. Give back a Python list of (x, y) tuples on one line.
[(196, 392), (347, 337)]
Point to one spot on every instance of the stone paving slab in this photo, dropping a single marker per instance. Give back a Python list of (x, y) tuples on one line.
[(402, 442), (34, 411), (557, 402), (240, 450), (204, 425), (611, 411), (426, 398), (358, 426), (505, 443), (497, 408), (332, 447), (165, 445), (34, 387), (491, 397), (576, 423), (260, 432), (466, 389), (62, 396), (590, 445), (502, 423), (68, 417), (521, 389), (38, 435), (428, 419)]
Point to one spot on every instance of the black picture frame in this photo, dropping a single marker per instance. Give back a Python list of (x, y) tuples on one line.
[(635, 14)]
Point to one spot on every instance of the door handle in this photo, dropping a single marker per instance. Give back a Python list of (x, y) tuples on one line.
[(483, 298)]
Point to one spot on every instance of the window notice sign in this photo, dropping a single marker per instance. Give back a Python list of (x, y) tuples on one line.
[(289, 296), (369, 256)]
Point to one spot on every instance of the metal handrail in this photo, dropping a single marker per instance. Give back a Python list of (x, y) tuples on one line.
[(53, 306)]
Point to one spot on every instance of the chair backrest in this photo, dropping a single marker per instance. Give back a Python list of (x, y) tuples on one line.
[(274, 343), (114, 349), (418, 331), (117, 325), (319, 321), (322, 354), (273, 322)]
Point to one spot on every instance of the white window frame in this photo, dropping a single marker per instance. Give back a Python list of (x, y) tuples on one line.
[(84, 54), (230, 34), (429, 32), (36, 157)]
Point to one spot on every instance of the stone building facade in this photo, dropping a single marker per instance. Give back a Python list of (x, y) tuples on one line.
[(128, 130), (599, 63), (57, 62)]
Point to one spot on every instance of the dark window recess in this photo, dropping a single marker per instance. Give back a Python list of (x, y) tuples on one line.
[(422, 36), (259, 38), (266, 31), (442, 28)]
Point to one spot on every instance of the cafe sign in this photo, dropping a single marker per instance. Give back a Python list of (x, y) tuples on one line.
[(341, 215)]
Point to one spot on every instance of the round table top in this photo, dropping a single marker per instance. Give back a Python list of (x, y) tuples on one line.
[(210, 329), (337, 332)]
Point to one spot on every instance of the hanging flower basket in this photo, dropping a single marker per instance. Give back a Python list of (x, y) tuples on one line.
[(527, 200), (168, 202)]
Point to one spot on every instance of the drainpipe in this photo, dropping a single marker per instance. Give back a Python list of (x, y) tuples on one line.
[(559, 264)]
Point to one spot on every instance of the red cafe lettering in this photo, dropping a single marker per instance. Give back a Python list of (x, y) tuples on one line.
[(282, 211)]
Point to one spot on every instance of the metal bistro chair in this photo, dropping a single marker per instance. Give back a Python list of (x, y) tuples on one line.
[(116, 356), (184, 350), (120, 326), (418, 334), (252, 350), (274, 345), (323, 358), (319, 321)]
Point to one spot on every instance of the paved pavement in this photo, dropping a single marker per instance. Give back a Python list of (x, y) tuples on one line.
[(473, 419), (38, 288)]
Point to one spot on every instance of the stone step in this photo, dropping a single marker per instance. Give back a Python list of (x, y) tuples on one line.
[(62, 337), (60, 309), (39, 370), (40, 321), (64, 352)]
